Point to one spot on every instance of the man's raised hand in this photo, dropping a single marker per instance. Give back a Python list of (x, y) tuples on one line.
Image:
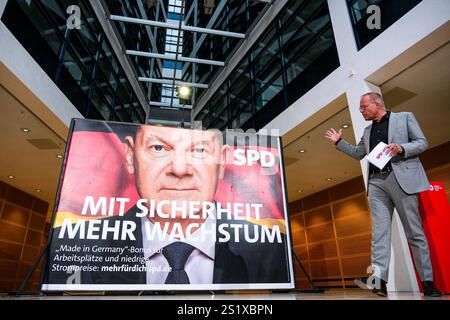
[(333, 135)]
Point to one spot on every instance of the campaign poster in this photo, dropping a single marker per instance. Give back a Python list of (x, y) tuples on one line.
[(143, 207)]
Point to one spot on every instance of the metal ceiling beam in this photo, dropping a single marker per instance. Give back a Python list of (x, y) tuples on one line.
[(116, 46), (173, 57), (175, 106), (166, 122), (177, 83), (195, 37), (163, 9), (211, 22), (152, 34), (177, 54), (183, 27), (266, 18), (191, 9)]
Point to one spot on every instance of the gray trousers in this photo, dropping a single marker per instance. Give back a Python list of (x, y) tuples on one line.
[(384, 194)]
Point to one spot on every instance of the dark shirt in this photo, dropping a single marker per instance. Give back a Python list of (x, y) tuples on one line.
[(379, 133)]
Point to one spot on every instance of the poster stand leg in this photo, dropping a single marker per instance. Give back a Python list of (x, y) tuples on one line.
[(313, 289), (29, 274)]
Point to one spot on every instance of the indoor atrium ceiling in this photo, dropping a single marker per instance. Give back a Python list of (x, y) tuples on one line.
[(195, 47)]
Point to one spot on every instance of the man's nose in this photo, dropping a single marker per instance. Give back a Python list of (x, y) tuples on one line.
[(180, 165)]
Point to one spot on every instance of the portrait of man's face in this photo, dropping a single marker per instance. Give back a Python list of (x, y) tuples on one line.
[(175, 164), (368, 108)]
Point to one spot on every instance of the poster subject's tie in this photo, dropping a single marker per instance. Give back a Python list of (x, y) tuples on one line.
[(177, 254)]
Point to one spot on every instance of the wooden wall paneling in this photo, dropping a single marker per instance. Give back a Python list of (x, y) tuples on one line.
[(37, 222), (12, 233), (324, 269), (356, 266), (2, 203), (18, 197), (318, 216), (16, 215), (304, 258), (359, 223), (322, 250), (298, 237), (34, 238), (30, 253), (22, 229), (329, 283), (7, 285), (10, 251), (40, 207), (315, 200), (298, 229), (301, 281), (31, 244), (320, 232), (350, 205), (355, 244), (337, 245), (347, 189), (300, 243), (3, 187), (295, 207), (299, 274), (307, 263), (301, 251), (303, 284), (8, 270)]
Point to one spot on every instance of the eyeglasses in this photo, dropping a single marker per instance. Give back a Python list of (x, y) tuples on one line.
[(365, 106)]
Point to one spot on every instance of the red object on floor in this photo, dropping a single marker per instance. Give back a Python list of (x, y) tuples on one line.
[(434, 210)]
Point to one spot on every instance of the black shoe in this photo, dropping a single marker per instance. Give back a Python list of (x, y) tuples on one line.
[(430, 290), (382, 290), (378, 286)]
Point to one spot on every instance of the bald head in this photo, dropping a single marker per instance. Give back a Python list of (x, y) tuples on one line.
[(376, 98), (372, 106)]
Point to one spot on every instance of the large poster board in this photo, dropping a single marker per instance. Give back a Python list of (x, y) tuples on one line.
[(144, 207)]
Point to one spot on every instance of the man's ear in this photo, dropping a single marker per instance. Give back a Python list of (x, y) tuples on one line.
[(225, 156), (129, 155)]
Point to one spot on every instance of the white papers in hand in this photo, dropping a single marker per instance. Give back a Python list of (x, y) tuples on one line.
[(377, 157)]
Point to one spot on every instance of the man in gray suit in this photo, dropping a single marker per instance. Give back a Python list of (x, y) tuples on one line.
[(396, 185)]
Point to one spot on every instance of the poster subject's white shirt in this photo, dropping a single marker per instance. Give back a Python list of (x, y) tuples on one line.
[(200, 264)]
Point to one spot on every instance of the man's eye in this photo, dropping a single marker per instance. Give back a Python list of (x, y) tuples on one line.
[(157, 148), (199, 150)]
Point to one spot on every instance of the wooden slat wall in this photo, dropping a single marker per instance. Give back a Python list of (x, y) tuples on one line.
[(331, 229), (22, 237)]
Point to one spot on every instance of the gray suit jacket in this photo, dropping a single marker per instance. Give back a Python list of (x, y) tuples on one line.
[(405, 131)]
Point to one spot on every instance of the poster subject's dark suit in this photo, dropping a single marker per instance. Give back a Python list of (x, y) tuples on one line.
[(234, 262)]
